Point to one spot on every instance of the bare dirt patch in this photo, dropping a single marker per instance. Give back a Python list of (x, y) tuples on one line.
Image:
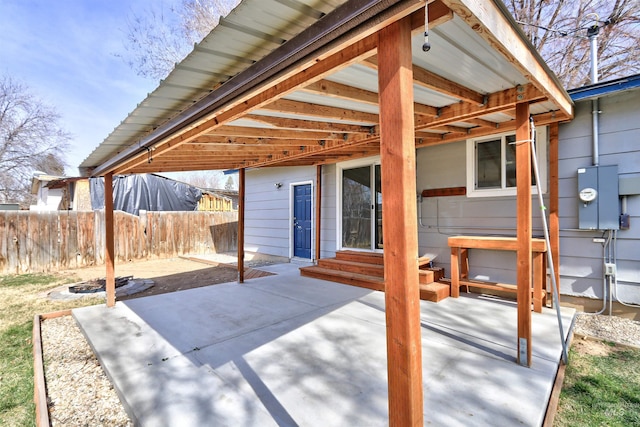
[(168, 275), (591, 346)]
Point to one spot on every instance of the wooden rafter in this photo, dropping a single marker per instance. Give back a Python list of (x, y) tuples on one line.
[(350, 93), (342, 91), (496, 102), (432, 81), (316, 110), (229, 131), (288, 123)]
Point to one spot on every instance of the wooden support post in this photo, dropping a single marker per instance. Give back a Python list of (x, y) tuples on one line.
[(241, 201), (318, 209), (109, 241), (554, 203), (399, 225), (523, 232)]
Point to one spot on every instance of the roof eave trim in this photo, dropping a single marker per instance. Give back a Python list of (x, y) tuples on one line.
[(605, 88)]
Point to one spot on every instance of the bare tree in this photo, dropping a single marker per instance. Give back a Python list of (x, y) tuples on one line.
[(230, 184), (558, 29), (162, 36), (30, 139)]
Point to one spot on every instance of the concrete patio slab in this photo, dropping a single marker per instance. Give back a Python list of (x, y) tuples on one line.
[(287, 350)]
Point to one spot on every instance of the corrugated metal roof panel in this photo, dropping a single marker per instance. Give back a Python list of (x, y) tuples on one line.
[(251, 124), (332, 102), (366, 78), (497, 117), (358, 76), (476, 65)]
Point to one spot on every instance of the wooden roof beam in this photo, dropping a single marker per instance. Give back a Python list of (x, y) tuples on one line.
[(432, 81), (265, 144), (251, 132), (539, 120), (316, 110), (496, 102), (342, 91), (482, 123), (243, 154), (186, 168), (330, 146), (286, 123)]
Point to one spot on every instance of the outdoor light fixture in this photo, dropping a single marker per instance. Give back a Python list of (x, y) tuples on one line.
[(278, 185)]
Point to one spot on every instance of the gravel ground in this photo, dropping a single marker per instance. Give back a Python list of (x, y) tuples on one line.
[(78, 391), (609, 328), (80, 394)]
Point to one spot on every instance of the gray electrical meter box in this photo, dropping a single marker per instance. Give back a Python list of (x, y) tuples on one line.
[(598, 204)]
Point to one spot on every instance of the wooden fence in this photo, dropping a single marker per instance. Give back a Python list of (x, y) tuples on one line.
[(52, 241)]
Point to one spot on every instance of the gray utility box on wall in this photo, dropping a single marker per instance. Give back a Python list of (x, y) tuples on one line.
[(598, 204)]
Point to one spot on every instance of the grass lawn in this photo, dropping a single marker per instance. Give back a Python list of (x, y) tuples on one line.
[(21, 297), (601, 386)]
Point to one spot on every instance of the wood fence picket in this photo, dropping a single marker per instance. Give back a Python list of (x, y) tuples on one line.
[(52, 241)]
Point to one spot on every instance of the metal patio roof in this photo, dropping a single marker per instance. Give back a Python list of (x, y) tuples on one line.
[(463, 71)]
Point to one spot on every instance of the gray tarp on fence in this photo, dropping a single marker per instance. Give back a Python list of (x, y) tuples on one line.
[(132, 193)]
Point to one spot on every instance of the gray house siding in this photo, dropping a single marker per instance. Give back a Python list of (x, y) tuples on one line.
[(440, 217), (582, 266), (267, 212), (267, 225), (329, 223), (581, 259)]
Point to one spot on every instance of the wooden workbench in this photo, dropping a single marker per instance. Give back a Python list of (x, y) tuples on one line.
[(460, 265)]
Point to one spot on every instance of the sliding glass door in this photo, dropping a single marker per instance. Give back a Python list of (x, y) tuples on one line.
[(361, 208)]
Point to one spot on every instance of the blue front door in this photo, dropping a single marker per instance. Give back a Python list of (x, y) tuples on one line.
[(302, 221)]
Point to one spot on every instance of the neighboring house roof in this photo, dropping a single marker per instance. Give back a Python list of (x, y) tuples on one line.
[(605, 88), (63, 182), (42, 179), (251, 93)]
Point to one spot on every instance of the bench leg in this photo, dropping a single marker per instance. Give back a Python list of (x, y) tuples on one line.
[(464, 265), (455, 273), (538, 278)]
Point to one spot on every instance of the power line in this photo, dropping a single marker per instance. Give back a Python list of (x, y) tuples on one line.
[(564, 33)]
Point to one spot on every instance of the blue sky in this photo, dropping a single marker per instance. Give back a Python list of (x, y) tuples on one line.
[(66, 52)]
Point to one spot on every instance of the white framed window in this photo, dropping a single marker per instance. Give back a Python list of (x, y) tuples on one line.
[(491, 164)]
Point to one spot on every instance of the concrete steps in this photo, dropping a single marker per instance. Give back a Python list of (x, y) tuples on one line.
[(366, 270)]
